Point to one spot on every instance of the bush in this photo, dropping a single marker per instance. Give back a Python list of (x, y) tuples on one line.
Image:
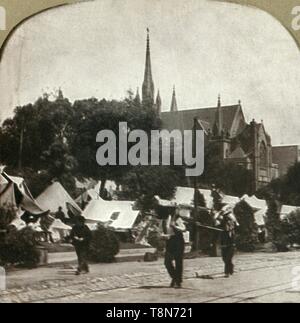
[(291, 228), (104, 246), (20, 248), (247, 232), (7, 215), (277, 230)]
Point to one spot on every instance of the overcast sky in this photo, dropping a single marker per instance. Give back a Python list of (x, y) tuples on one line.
[(203, 47)]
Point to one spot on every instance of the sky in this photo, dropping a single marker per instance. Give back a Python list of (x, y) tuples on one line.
[(204, 48)]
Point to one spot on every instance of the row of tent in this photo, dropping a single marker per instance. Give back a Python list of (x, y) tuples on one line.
[(185, 195), (117, 215), (14, 193)]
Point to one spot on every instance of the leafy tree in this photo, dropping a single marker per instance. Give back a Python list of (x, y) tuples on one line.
[(231, 178), (247, 232), (287, 188), (144, 182), (274, 226)]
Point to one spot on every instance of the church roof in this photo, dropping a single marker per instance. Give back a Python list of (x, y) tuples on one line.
[(238, 153), (184, 119)]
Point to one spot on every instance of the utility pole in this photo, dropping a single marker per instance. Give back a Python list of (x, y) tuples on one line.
[(196, 195), (21, 145)]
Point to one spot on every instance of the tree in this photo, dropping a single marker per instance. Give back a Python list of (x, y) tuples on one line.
[(144, 182), (274, 226), (287, 188), (247, 232), (231, 178)]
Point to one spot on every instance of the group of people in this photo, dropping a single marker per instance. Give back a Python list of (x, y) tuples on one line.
[(173, 231)]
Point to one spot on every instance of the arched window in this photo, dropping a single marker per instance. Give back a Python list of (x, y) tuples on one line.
[(263, 155)]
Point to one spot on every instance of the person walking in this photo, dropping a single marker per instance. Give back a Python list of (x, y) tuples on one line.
[(81, 237), (228, 223), (175, 245)]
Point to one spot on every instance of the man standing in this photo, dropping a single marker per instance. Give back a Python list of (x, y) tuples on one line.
[(81, 237), (228, 223), (60, 215), (175, 244)]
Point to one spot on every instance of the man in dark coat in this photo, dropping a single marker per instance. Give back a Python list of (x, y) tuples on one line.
[(175, 245), (227, 221), (81, 237)]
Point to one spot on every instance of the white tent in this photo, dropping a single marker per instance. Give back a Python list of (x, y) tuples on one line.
[(185, 196), (3, 183), (15, 193), (231, 200), (59, 230), (118, 215), (287, 210), (254, 202), (260, 217), (56, 196)]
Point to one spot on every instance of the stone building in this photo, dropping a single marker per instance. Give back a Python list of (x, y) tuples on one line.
[(240, 142)]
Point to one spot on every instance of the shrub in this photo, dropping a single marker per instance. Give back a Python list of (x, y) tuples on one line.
[(155, 240), (277, 230), (7, 215), (291, 228), (20, 248), (104, 245)]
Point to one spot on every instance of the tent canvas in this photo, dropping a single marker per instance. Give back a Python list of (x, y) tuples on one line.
[(254, 202), (184, 196), (56, 196), (230, 200), (3, 183), (16, 186), (260, 217), (118, 215), (286, 210)]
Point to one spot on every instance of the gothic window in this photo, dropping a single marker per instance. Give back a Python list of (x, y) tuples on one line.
[(263, 155)]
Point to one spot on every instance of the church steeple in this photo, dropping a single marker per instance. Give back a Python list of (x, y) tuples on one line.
[(174, 107), (219, 119), (148, 85), (158, 103)]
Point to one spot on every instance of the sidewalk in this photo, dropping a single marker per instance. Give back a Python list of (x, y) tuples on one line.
[(123, 256), (138, 281)]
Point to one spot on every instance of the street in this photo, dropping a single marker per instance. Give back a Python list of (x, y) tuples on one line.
[(259, 278)]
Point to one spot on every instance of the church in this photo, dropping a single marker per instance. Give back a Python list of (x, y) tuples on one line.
[(239, 142)]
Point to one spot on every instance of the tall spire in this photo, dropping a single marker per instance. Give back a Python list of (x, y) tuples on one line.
[(148, 85), (220, 116), (158, 103), (174, 107)]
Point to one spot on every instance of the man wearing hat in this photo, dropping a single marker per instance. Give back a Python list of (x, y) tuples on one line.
[(228, 223), (81, 237)]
